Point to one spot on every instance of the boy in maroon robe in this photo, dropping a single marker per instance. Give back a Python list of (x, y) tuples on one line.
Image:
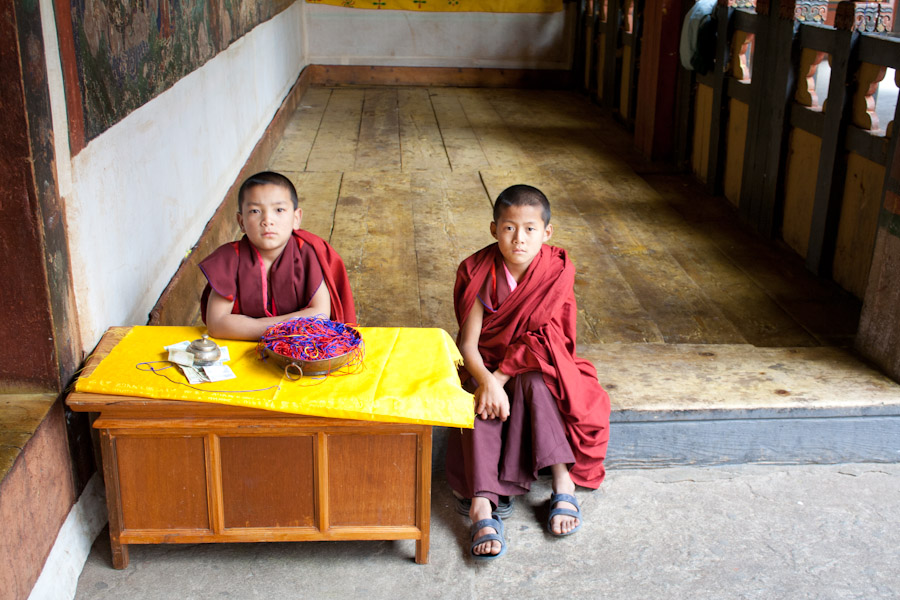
[(276, 272), (538, 404)]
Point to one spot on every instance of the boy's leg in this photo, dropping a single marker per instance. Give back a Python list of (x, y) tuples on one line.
[(550, 445), (472, 460), (537, 434)]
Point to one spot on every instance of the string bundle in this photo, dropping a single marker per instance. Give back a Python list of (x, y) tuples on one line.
[(312, 339)]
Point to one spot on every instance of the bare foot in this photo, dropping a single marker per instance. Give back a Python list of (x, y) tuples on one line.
[(481, 509), (563, 484)]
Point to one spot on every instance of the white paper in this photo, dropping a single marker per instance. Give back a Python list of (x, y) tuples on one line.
[(194, 375), (180, 357), (219, 372)]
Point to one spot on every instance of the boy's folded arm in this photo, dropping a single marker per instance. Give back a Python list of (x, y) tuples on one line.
[(222, 323), (491, 399)]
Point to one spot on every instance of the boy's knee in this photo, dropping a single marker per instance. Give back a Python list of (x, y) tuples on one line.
[(531, 380)]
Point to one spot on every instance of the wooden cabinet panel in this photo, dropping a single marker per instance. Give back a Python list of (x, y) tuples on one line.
[(162, 481), (268, 481), (372, 479)]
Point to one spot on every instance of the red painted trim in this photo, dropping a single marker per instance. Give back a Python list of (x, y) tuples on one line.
[(74, 108)]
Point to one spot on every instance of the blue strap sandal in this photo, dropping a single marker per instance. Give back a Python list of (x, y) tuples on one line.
[(555, 512), (497, 524)]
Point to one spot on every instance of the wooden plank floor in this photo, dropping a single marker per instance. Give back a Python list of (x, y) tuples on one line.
[(400, 180)]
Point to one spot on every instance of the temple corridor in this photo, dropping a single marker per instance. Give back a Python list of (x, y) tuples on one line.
[(400, 180)]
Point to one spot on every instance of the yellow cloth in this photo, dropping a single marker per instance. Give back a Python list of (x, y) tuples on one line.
[(497, 6), (409, 376)]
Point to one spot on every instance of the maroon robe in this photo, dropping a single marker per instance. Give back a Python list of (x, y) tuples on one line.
[(234, 270), (534, 330)]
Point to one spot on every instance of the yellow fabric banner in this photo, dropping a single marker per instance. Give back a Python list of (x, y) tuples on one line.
[(497, 6), (408, 376)]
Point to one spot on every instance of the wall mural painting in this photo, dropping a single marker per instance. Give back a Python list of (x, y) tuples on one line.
[(497, 6), (129, 51)]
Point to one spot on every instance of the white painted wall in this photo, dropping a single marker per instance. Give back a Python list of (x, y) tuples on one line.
[(347, 36), (139, 195)]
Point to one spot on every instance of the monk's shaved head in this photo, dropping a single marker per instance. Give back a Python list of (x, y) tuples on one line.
[(267, 178), (522, 195)]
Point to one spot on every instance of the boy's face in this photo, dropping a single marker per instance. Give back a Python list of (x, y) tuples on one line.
[(520, 232), (268, 217)]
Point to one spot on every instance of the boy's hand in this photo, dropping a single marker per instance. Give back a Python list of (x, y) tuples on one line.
[(491, 401)]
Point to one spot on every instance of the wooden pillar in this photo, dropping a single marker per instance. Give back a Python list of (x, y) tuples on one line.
[(878, 338), (583, 55), (612, 30), (775, 98), (773, 79), (28, 359), (715, 165), (832, 169), (654, 119)]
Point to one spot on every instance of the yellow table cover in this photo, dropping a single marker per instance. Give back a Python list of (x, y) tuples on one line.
[(408, 376), (496, 6)]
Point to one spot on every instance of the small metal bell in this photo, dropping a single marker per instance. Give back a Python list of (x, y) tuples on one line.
[(205, 351)]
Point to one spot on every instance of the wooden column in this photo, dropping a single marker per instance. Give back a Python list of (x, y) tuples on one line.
[(25, 301), (715, 165), (654, 120), (832, 166), (878, 338), (612, 30), (774, 75)]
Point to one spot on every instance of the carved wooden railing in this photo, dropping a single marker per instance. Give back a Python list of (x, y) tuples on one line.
[(869, 17), (811, 11)]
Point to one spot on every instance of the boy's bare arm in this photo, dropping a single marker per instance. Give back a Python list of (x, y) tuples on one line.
[(222, 323), (491, 401)]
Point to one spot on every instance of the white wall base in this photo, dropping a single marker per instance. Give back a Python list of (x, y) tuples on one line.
[(59, 577)]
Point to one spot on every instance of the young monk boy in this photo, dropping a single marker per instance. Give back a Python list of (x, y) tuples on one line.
[(537, 404), (277, 271)]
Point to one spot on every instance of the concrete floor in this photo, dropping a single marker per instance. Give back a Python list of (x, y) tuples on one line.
[(729, 532)]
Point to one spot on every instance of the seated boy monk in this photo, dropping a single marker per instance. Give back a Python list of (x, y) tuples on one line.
[(538, 404), (277, 271)]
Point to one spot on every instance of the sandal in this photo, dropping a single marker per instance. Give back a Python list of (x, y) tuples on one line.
[(504, 509), (497, 524), (555, 512)]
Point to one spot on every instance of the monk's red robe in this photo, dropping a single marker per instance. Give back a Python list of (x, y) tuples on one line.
[(534, 330), (234, 270)]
